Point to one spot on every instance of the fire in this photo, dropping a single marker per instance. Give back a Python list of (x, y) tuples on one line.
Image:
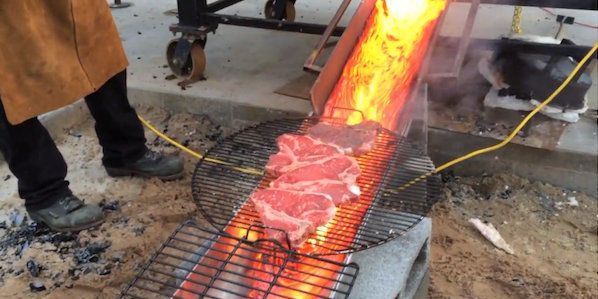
[(379, 73)]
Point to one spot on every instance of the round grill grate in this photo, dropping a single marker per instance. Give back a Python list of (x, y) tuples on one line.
[(382, 212)]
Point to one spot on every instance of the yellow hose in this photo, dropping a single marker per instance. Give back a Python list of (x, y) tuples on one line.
[(516, 24), (422, 177), (527, 117), (197, 155)]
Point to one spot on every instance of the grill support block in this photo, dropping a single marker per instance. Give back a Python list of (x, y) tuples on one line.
[(395, 269)]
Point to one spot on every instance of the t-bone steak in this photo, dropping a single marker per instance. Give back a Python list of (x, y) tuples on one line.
[(357, 139), (337, 167), (340, 192), (335, 177), (295, 213), (296, 151)]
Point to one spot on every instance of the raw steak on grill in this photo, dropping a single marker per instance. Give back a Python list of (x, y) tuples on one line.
[(335, 177), (357, 139), (338, 167), (340, 192), (296, 151), (296, 213)]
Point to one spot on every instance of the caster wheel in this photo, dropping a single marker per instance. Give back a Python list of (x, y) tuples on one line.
[(119, 4), (289, 11), (193, 69)]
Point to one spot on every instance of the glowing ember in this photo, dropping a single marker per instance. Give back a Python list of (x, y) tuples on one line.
[(378, 75)]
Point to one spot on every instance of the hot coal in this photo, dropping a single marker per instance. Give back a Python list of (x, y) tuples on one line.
[(37, 286)]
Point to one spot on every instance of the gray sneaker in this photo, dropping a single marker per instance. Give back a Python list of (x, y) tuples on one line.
[(152, 164), (68, 214)]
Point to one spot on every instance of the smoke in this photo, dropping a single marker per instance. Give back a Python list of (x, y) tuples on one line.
[(465, 92)]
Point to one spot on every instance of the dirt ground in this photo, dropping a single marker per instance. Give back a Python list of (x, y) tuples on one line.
[(552, 231), (140, 215), (556, 244)]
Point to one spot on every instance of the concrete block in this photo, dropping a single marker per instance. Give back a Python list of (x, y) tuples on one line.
[(395, 269)]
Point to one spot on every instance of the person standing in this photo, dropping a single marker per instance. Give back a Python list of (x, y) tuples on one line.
[(52, 54)]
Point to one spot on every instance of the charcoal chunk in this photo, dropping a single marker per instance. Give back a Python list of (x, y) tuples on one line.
[(90, 253)]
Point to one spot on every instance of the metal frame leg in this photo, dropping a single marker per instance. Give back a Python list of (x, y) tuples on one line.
[(310, 63), (190, 19), (463, 43), (279, 9), (189, 12)]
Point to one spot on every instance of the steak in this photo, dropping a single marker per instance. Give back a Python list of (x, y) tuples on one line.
[(335, 177), (338, 167), (357, 139), (340, 192), (295, 213), (296, 151)]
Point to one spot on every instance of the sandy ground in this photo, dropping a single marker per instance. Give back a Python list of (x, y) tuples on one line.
[(556, 244)]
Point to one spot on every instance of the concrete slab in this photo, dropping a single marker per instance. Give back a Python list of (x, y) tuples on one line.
[(580, 137)]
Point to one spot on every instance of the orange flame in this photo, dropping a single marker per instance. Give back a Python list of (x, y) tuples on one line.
[(379, 73)]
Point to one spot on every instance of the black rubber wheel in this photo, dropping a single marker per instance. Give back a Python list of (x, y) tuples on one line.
[(289, 12), (195, 65)]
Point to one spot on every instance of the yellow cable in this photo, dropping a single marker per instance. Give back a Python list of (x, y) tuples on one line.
[(196, 154), (516, 24), (517, 129)]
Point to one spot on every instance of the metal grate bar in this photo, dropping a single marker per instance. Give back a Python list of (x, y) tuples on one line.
[(199, 262), (222, 193)]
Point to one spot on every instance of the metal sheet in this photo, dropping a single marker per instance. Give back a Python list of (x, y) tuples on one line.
[(333, 69), (334, 66)]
